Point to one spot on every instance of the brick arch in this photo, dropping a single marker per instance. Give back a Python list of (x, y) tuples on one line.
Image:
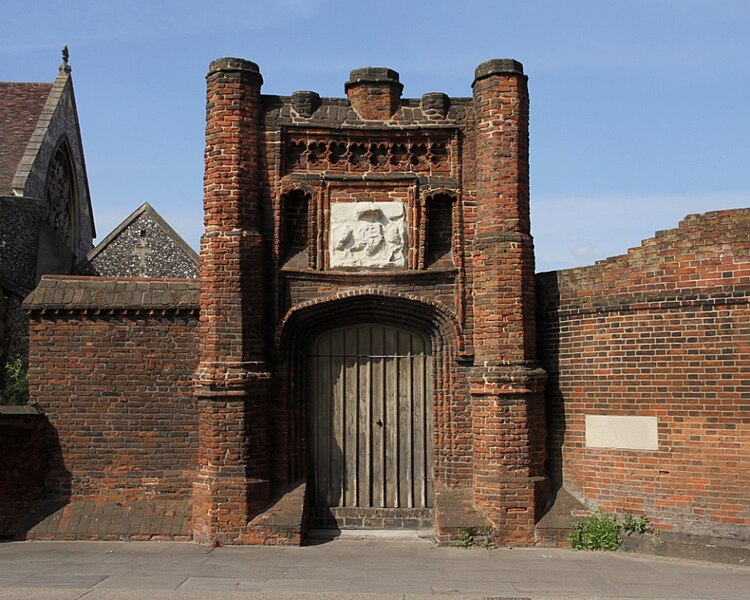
[(297, 186), (294, 220), (451, 193), (430, 317)]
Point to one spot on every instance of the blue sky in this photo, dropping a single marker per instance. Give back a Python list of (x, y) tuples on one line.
[(640, 109)]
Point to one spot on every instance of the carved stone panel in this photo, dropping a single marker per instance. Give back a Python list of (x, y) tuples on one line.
[(368, 235)]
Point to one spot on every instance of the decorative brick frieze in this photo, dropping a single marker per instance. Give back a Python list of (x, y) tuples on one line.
[(357, 152)]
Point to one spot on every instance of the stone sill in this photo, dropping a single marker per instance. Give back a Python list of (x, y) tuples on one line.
[(386, 275)]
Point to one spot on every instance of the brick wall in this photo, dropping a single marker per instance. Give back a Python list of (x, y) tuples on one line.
[(22, 446), (111, 363), (663, 331)]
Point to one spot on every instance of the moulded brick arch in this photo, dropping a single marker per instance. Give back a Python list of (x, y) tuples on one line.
[(431, 192), (297, 186), (430, 317)]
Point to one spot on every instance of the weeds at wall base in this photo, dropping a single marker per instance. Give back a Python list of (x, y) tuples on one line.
[(605, 532)]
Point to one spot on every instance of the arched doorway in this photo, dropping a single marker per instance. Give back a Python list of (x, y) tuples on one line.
[(369, 398)]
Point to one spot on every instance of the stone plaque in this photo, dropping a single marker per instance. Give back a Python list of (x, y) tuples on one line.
[(622, 431), (368, 235)]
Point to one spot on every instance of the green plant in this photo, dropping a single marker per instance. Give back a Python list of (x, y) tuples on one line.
[(481, 539), (639, 524), (18, 382), (604, 532), (597, 532), (487, 542), (465, 539)]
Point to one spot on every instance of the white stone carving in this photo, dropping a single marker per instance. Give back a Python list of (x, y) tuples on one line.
[(367, 235)]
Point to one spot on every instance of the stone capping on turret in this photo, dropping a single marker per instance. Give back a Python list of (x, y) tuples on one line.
[(497, 66), (248, 68), (103, 294), (374, 75), (435, 102), (374, 93), (305, 102)]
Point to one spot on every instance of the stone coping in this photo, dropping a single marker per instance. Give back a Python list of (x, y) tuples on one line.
[(19, 409)]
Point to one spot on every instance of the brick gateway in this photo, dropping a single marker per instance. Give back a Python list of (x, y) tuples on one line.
[(372, 210), (361, 350)]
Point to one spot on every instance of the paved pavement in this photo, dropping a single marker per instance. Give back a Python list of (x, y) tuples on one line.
[(350, 569)]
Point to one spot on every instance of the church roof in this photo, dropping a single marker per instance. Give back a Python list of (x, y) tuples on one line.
[(21, 106)]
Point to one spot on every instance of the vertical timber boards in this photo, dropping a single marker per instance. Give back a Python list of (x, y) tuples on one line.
[(370, 423)]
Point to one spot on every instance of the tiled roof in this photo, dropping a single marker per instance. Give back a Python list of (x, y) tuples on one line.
[(20, 107), (62, 292)]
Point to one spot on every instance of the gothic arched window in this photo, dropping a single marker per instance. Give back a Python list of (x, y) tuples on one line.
[(61, 196)]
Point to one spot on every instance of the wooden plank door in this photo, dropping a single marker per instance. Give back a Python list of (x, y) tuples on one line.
[(370, 417)]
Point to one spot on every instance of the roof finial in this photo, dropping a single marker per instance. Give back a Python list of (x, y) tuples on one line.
[(65, 56)]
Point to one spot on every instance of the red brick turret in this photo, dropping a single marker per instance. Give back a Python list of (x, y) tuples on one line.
[(230, 382), (506, 386)]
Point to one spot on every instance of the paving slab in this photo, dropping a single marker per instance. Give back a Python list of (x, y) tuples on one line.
[(351, 569), (60, 582), (144, 581), (42, 594), (485, 588), (390, 586), (305, 585), (217, 584)]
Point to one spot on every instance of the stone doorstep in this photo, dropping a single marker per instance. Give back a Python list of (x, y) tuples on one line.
[(345, 518), (405, 535)]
